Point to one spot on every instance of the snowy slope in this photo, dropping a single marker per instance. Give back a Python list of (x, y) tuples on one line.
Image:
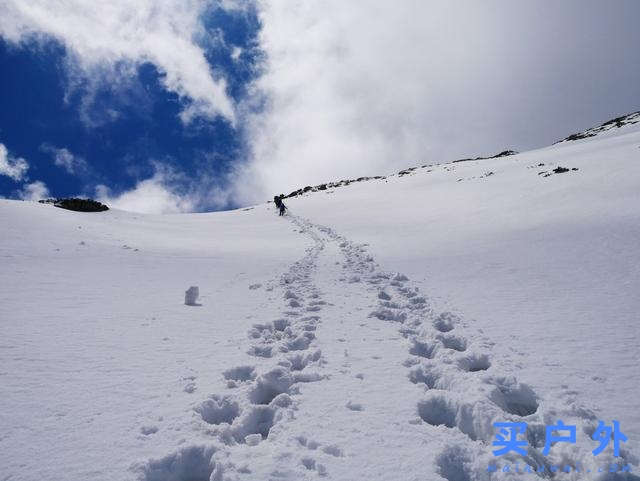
[(376, 332)]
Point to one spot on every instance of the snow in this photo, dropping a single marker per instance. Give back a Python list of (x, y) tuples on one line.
[(191, 296), (377, 331)]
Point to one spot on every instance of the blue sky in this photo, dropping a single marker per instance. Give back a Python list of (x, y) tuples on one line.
[(195, 105), (116, 137)]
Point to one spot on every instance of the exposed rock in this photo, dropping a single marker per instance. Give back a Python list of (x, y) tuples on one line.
[(78, 205)]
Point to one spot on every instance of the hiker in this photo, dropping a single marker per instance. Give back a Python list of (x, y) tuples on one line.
[(282, 207), (277, 200)]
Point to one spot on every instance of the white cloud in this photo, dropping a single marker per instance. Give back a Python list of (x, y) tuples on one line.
[(65, 159), (14, 167), (35, 191), (361, 88), (102, 35), (353, 90), (150, 196), (169, 191), (236, 52)]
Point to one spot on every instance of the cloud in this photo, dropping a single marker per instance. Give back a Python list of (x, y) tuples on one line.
[(35, 191), (236, 52), (156, 195), (353, 88), (63, 158), (149, 196), (169, 191), (104, 36), (362, 88), (13, 167)]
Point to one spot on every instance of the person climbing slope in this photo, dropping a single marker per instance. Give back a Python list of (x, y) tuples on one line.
[(277, 200)]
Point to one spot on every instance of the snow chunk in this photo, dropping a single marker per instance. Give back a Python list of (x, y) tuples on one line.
[(240, 373), (191, 296)]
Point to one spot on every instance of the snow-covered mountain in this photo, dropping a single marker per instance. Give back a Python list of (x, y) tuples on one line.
[(376, 332)]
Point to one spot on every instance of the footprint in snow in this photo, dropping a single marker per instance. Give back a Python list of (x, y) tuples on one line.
[(354, 406), (311, 465), (190, 387), (445, 321), (148, 430), (474, 363), (455, 343)]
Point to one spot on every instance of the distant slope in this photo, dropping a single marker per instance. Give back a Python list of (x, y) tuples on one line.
[(610, 128)]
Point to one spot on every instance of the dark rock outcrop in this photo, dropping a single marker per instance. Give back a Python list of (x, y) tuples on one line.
[(76, 204)]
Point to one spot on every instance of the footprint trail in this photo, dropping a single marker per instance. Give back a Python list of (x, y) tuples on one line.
[(360, 378)]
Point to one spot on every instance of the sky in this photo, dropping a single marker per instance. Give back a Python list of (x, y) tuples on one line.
[(165, 106)]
